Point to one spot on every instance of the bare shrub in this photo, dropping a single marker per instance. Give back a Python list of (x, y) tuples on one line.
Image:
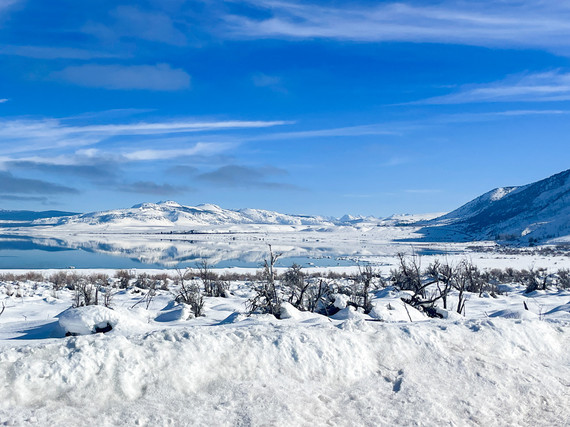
[(408, 277), (7, 277), (148, 297), (124, 277), (94, 289), (143, 281), (563, 278), (214, 286), (533, 279), (33, 276), (266, 299), (58, 280), (295, 286), (442, 274), (320, 297), (190, 292)]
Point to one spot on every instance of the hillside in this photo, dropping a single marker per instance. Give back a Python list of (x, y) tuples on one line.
[(533, 212), (28, 216), (172, 216)]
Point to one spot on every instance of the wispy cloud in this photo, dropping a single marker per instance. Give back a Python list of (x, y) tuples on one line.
[(25, 135), (423, 191), (148, 187), (360, 130), (5, 4), (3, 100), (53, 52), (160, 77), (532, 23), (14, 198), (101, 171), (534, 87), (275, 83), (246, 176), (396, 161), (402, 127), (14, 185), (143, 128), (129, 22), (201, 148)]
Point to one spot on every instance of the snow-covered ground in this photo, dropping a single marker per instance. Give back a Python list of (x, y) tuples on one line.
[(498, 365)]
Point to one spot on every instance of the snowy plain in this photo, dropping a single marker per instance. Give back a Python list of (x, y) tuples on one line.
[(498, 365), (504, 361)]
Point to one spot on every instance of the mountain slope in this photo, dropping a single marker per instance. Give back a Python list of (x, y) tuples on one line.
[(540, 211), (172, 215), (24, 216)]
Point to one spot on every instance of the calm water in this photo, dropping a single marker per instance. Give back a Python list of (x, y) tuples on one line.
[(25, 252)]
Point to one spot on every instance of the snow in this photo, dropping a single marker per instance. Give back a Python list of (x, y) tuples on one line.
[(540, 210), (86, 320), (148, 361), (498, 365), (421, 374)]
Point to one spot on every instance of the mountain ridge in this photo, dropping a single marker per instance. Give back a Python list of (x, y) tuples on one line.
[(533, 212)]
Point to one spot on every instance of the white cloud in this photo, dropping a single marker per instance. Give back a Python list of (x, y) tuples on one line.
[(5, 4), (274, 83), (132, 22), (423, 191), (3, 100), (160, 77), (537, 87), (534, 23), (362, 130), (29, 136), (175, 127), (52, 52), (201, 148)]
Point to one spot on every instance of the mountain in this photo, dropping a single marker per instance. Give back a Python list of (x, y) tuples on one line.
[(172, 216), (21, 218), (533, 212)]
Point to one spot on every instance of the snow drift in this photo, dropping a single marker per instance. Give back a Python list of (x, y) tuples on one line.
[(480, 372)]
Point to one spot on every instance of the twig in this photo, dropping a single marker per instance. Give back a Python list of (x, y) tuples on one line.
[(406, 307)]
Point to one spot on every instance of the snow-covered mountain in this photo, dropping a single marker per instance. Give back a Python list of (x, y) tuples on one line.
[(172, 215), (27, 216), (540, 210)]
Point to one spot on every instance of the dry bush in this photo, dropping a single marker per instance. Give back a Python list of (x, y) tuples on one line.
[(267, 298), (563, 278), (124, 277), (190, 292)]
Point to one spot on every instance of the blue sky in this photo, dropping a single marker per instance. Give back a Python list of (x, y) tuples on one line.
[(302, 107)]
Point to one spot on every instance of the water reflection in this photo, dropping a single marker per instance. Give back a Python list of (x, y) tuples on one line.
[(155, 251), (220, 250)]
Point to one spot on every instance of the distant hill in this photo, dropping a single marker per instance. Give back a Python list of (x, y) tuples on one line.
[(170, 215), (533, 212), (27, 216)]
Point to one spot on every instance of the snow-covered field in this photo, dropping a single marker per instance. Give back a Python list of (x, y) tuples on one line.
[(149, 361), (498, 365)]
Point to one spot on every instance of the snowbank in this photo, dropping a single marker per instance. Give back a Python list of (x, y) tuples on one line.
[(96, 318), (478, 372)]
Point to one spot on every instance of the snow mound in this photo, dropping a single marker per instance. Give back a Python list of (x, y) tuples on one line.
[(395, 310), (289, 312), (87, 320), (562, 310), (349, 313), (96, 318), (511, 313), (173, 313)]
